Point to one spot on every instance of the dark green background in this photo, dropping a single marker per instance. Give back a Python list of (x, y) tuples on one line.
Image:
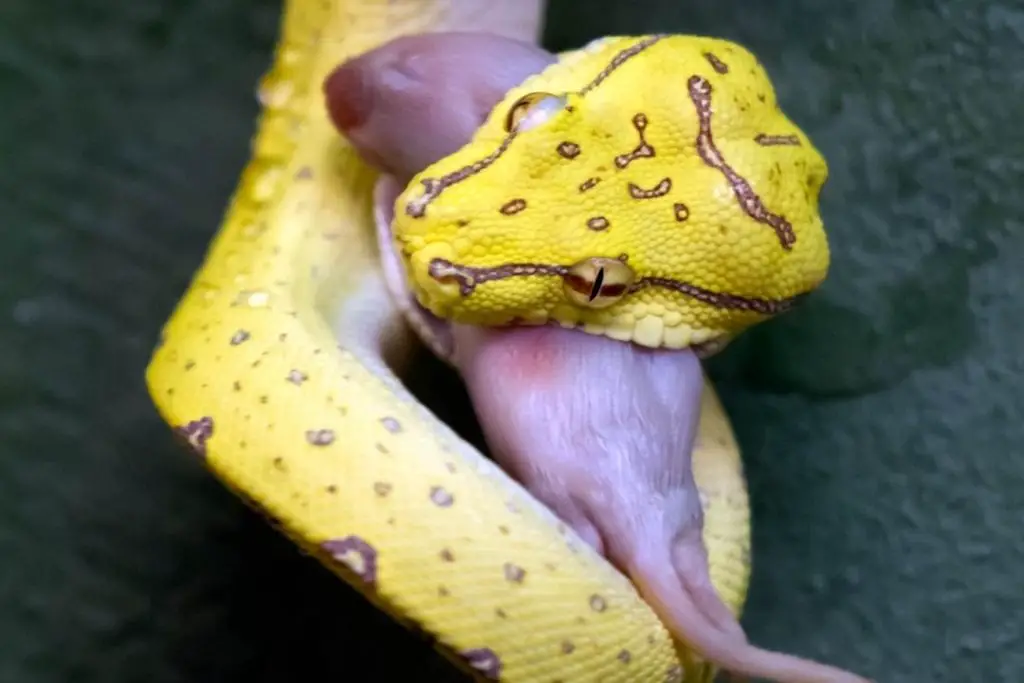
[(882, 424)]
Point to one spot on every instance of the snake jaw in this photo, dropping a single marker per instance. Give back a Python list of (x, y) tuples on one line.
[(434, 331)]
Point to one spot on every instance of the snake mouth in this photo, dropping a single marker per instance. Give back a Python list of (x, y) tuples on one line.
[(435, 332)]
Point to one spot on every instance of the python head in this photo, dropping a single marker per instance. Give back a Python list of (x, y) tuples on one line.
[(650, 190)]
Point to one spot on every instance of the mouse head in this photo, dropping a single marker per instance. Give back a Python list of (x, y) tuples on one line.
[(648, 189)]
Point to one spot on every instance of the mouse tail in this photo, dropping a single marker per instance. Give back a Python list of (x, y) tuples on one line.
[(674, 579)]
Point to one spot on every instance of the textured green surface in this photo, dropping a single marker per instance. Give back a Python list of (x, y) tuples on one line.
[(882, 424)]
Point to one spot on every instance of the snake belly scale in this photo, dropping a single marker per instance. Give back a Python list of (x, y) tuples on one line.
[(280, 368)]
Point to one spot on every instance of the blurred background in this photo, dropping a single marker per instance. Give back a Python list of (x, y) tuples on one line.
[(882, 424)]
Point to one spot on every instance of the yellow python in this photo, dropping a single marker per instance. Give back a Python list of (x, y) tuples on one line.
[(281, 364)]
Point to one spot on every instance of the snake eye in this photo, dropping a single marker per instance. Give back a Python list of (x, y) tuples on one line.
[(597, 282), (533, 109)]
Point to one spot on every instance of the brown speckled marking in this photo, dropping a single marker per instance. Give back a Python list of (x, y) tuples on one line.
[(618, 60), (598, 223), (484, 661), (568, 647), (589, 183), (514, 573), (468, 277), (443, 591), (447, 556), (722, 299), (569, 150), (239, 337), (433, 187), (440, 497), (382, 488), (598, 603), (682, 211), (624, 656), (766, 140), (391, 424), (297, 377), (196, 433), (356, 554), (716, 63), (642, 150), (659, 190), (750, 202), (304, 173), (512, 207), (320, 437)]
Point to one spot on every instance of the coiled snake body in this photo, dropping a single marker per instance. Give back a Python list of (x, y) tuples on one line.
[(280, 366)]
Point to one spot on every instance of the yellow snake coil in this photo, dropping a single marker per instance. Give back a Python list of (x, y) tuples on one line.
[(281, 369)]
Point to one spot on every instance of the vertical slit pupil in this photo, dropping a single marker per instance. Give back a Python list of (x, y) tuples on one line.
[(598, 283)]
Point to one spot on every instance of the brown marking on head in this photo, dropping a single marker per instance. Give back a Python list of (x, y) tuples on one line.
[(682, 211), (196, 433), (589, 183), (716, 63), (447, 555), (659, 190), (643, 150), (355, 554), (569, 150), (320, 437), (513, 206), (484, 661), (239, 337), (700, 94), (382, 488), (618, 60), (568, 647), (433, 187), (440, 497), (469, 277), (624, 656), (766, 140), (598, 603), (304, 173), (598, 223)]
